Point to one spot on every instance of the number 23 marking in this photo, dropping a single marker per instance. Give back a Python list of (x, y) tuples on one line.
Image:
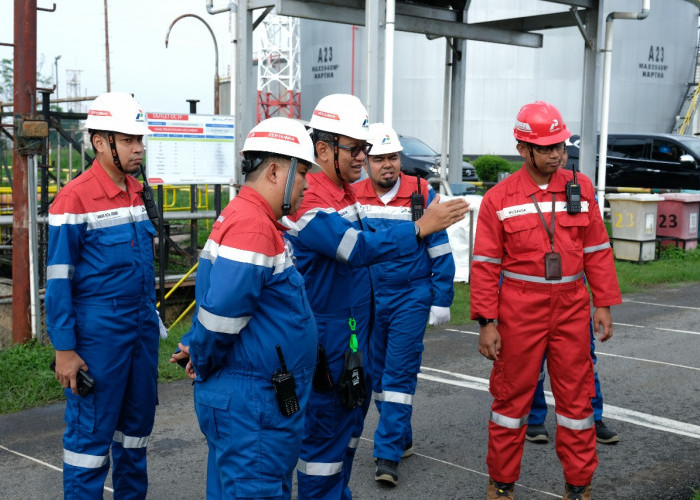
[(619, 217), (672, 222)]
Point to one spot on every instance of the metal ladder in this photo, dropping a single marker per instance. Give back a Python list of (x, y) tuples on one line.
[(689, 104)]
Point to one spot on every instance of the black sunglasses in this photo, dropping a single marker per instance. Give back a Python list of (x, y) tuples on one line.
[(355, 150), (545, 150)]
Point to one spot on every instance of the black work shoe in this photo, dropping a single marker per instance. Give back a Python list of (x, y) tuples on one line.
[(572, 492), (605, 435), (408, 450), (537, 433), (500, 491), (387, 472)]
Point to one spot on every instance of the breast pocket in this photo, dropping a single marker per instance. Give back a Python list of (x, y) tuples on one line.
[(116, 246), (572, 229), (523, 235)]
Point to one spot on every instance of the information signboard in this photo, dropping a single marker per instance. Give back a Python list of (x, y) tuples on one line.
[(190, 149)]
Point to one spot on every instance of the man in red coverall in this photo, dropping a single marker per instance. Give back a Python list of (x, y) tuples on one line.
[(533, 235)]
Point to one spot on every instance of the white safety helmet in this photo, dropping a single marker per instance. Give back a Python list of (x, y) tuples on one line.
[(341, 114), (117, 112), (283, 136), (383, 139)]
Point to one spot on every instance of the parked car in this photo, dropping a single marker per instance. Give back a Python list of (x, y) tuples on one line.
[(649, 160), (417, 158)]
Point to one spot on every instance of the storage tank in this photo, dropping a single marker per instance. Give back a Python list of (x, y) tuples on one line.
[(653, 61)]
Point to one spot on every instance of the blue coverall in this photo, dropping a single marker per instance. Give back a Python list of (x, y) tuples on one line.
[(405, 289), (538, 410), (100, 302), (250, 299), (333, 245)]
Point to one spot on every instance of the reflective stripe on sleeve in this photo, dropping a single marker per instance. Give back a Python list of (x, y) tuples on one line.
[(439, 250), (319, 468), (508, 422), (59, 271), (130, 441), (574, 424), (539, 279), (483, 258), (223, 324), (347, 245), (84, 460), (213, 250), (394, 397), (596, 248), (354, 441)]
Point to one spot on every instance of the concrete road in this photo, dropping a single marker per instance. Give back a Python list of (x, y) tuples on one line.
[(650, 374)]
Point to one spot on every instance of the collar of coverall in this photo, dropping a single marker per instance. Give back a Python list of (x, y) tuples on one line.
[(108, 185)]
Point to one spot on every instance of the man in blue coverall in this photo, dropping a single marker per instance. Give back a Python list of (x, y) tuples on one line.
[(409, 292), (100, 307), (253, 326), (333, 245)]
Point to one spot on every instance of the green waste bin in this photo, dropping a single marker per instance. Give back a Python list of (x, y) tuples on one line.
[(633, 219)]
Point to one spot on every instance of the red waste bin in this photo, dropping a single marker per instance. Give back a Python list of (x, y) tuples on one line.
[(677, 220)]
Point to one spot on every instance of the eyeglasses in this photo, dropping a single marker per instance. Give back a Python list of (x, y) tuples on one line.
[(355, 150), (545, 150)]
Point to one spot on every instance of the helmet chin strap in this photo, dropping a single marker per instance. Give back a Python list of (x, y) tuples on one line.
[(113, 148), (335, 159), (287, 202), (532, 160)]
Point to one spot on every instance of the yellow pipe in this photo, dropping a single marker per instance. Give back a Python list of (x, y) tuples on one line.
[(189, 308), (691, 110), (192, 269)]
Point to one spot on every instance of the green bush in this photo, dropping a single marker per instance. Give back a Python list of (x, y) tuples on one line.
[(488, 166)]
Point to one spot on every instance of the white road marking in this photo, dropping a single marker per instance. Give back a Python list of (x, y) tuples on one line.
[(611, 412), (657, 328), (659, 305), (597, 353), (40, 462), (452, 464)]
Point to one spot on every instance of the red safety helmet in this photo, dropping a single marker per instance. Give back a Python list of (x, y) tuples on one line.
[(540, 123)]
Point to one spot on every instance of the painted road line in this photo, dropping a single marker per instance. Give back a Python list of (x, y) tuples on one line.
[(41, 462), (686, 367), (659, 305), (611, 412), (657, 328), (467, 469)]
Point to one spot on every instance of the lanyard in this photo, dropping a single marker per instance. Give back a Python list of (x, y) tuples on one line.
[(550, 232)]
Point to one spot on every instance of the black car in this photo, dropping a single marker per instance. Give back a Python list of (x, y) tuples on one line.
[(661, 161), (417, 158)]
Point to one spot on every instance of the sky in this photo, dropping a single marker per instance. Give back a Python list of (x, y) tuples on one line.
[(161, 78)]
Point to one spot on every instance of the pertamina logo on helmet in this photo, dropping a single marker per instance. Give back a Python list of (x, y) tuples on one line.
[(274, 135), (325, 114), (554, 126)]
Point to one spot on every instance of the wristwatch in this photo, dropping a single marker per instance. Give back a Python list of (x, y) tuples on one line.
[(484, 321)]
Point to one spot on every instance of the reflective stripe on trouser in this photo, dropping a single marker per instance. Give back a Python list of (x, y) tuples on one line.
[(534, 318), (397, 344), (538, 410), (253, 448), (119, 344)]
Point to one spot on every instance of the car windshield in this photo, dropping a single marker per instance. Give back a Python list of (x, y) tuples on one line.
[(691, 143), (414, 147)]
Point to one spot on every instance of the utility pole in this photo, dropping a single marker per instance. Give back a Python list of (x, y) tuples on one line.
[(24, 103), (109, 80)]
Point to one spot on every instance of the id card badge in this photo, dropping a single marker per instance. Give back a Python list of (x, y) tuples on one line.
[(552, 266)]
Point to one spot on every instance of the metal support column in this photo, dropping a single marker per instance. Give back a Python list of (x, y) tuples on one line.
[(24, 102)]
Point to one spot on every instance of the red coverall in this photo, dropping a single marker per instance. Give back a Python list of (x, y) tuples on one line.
[(536, 315)]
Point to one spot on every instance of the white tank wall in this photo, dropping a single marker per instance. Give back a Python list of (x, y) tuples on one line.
[(501, 78)]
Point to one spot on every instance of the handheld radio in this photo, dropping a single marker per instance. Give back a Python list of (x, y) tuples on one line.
[(573, 195), (417, 203), (285, 388), (149, 201)]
